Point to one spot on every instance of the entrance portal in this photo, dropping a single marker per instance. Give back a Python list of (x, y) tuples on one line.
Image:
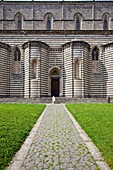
[(55, 82), (55, 87)]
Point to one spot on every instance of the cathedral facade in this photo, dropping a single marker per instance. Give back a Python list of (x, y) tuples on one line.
[(56, 49)]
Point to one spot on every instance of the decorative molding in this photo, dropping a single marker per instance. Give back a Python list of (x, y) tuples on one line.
[(55, 49), (31, 44), (25, 45), (108, 45), (80, 44), (67, 45), (56, 32), (52, 2), (74, 44), (5, 46)]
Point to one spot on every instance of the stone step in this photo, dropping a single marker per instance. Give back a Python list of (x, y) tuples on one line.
[(58, 100)]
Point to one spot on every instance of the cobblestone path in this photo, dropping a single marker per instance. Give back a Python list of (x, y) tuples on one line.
[(57, 145)]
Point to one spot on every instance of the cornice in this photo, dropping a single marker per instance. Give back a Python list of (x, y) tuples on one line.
[(49, 32), (31, 44), (76, 44), (54, 2), (80, 44)]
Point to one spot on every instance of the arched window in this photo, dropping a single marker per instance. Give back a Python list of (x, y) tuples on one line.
[(106, 21), (18, 21), (17, 54), (78, 18), (48, 19), (48, 24), (95, 58), (77, 24), (95, 54), (17, 58), (105, 24)]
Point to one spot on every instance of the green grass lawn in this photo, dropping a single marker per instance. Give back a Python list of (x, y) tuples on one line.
[(97, 121), (16, 121)]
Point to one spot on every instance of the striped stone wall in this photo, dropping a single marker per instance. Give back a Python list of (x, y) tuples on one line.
[(81, 54), (77, 56), (67, 71), (4, 70), (61, 54), (44, 71), (35, 82), (108, 72), (38, 86), (26, 70), (55, 62), (55, 57), (85, 70), (16, 80), (97, 87)]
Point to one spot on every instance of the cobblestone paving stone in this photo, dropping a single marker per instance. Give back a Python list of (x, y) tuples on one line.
[(57, 145)]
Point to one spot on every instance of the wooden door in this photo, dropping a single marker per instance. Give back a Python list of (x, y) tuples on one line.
[(55, 87)]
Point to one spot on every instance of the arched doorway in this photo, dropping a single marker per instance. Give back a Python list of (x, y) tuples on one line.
[(55, 83)]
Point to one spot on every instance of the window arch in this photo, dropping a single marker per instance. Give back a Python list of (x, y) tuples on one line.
[(78, 21), (18, 21), (106, 21), (17, 58), (95, 54), (48, 21)]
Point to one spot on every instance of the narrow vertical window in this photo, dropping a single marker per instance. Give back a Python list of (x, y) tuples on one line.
[(19, 24), (105, 24), (17, 55), (76, 69), (106, 19), (49, 24), (95, 54), (34, 67), (77, 24), (18, 21), (95, 58), (48, 19), (17, 61)]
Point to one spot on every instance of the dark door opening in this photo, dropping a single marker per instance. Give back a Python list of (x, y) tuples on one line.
[(55, 87)]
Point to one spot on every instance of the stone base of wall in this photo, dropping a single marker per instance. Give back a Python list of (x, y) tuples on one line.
[(58, 100)]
